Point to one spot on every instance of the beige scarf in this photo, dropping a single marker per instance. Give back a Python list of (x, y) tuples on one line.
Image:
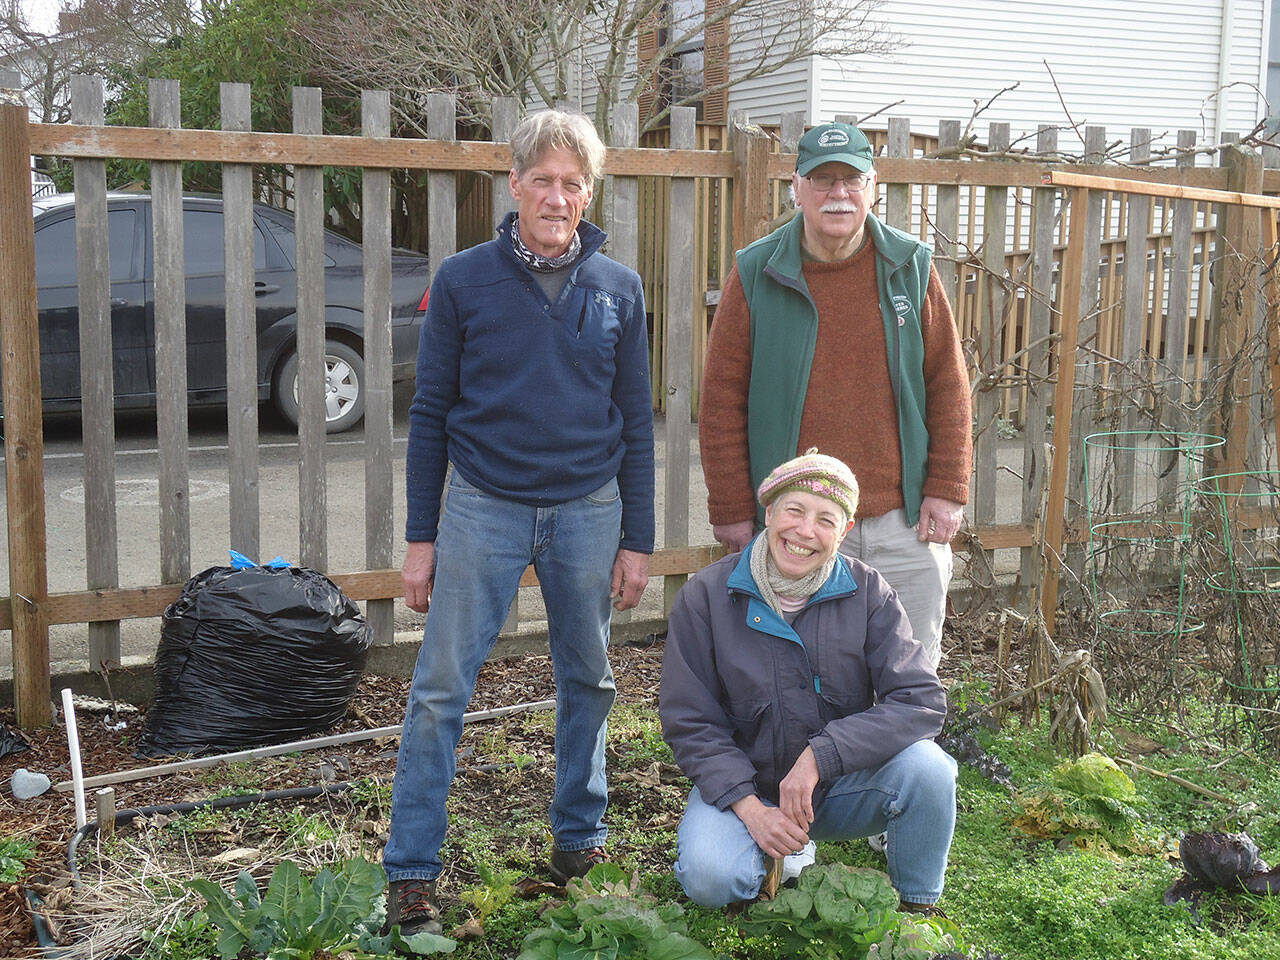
[(772, 584)]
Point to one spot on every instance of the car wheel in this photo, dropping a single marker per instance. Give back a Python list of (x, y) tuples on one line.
[(344, 387)]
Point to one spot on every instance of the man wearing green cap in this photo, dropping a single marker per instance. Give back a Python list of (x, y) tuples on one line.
[(834, 332)]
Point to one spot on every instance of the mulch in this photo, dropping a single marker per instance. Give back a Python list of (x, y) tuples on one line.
[(49, 821)]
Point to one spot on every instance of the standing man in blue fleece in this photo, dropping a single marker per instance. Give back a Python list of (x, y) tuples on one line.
[(533, 381)]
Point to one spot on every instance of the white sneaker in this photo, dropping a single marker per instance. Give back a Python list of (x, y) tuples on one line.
[(794, 863), (879, 842)]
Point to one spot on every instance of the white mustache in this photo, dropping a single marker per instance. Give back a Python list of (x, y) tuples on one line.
[(838, 206)]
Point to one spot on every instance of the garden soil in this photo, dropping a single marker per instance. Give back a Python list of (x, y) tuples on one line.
[(49, 821)]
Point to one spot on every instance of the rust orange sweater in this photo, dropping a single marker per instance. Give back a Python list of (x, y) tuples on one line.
[(849, 410)]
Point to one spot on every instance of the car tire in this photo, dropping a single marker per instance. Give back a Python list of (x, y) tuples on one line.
[(344, 382)]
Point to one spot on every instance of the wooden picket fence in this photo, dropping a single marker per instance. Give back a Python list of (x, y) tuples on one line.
[(674, 212)]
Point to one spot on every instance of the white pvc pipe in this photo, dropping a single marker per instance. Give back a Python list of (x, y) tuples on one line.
[(164, 769), (73, 747)]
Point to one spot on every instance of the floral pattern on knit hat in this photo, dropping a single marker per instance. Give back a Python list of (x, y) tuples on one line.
[(815, 473)]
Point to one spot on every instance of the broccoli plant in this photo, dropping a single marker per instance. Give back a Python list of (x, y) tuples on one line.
[(607, 916)]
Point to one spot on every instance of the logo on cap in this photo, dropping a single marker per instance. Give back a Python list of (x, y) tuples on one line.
[(833, 138)]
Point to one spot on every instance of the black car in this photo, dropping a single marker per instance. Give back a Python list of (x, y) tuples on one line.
[(275, 286)]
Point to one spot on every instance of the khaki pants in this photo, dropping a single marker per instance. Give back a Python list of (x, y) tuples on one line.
[(920, 572)]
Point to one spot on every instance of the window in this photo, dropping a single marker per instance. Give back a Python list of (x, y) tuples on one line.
[(203, 243), (56, 249)]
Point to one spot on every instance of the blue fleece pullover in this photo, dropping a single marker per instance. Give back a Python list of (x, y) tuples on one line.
[(533, 401)]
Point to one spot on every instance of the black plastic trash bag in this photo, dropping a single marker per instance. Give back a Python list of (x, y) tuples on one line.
[(251, 657)]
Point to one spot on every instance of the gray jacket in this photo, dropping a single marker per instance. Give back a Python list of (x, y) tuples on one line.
[(744, 692)]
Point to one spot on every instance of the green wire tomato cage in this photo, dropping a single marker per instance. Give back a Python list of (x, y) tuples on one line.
[(1139, 492), (1247, 505)]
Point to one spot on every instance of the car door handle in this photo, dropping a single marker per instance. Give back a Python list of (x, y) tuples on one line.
[(260, 288)]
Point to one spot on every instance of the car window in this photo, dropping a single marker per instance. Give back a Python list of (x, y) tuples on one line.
[(56, 249), (203, 243), (289, 242)]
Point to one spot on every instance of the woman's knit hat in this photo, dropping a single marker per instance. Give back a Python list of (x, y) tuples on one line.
[(815, 473)]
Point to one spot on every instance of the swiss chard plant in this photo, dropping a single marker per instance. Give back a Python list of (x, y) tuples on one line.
[(340, 910), (607, 916), (838, 912)]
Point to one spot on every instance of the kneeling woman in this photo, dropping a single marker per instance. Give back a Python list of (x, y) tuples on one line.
[(796, 700)]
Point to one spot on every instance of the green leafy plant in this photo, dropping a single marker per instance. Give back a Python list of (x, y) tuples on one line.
[(1089, 802), (833, 911), (14, 854), (607, 916), (495, 891), (914, 939), (338, 911)]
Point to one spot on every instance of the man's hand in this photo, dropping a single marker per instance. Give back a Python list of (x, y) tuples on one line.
[(939, 520), (419, 574), (630, 575), (734, 536), (773, 831), (795, 792)]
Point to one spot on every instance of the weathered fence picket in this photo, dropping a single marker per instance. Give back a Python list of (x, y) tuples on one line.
[(171, 343), (243, 467), (97, 380), (379, 470), (678, 349), (308, 194)]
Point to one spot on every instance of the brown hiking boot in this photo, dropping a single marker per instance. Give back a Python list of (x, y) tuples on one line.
[(412, 905), (574, 863), (922, 909)]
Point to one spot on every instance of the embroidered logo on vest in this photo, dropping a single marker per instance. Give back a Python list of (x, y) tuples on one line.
[(902, 307)]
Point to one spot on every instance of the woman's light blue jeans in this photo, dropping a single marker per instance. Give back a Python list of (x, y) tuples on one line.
[(912, 796), (483, 545)]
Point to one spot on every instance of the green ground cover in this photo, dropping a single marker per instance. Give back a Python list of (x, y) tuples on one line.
[(1017, 896)]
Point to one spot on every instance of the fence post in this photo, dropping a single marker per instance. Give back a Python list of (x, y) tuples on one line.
[(1055, 512), (375, 251), (678, 344), (1039, 307), (750, 180), (1095, 147), (1237, 295), (24, 437)]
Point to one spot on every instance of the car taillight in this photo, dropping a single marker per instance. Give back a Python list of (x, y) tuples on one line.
[(422, 307)]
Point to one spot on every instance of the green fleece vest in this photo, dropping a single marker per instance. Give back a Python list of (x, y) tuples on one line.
[(784, 330)]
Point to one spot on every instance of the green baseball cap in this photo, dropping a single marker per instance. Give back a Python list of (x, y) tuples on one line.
[(834, 143)]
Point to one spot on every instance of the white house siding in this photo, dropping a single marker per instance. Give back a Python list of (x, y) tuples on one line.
[(766, 98), (1118, 63)]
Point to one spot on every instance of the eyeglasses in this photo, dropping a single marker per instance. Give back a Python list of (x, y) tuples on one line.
[(570, 187), (824, 182)]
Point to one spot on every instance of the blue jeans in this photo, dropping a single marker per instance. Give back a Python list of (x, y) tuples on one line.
[(912, 796), (483, 545)]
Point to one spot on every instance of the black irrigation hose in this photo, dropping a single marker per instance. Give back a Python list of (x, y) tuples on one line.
[(214, 803)]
